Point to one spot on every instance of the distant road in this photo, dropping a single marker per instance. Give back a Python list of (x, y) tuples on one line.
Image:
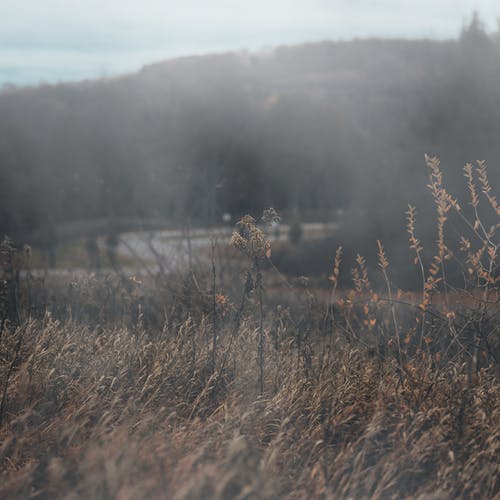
[(169, 248), (176, 242), (95, 228)]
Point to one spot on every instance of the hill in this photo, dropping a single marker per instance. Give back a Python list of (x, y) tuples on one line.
[(325, 131)]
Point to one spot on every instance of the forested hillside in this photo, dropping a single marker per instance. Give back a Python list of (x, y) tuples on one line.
[(325, 131)]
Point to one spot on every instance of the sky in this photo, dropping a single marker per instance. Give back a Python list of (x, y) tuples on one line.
[(47, 41)]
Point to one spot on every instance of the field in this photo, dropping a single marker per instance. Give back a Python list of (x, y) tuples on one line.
[(231, 380)]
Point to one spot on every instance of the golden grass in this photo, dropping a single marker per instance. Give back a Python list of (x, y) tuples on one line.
[(118, 413), (189, 389)]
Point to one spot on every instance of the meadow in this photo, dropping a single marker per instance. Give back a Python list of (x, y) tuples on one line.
[(234, 380)]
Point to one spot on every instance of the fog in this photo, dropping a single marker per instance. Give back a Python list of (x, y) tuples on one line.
[(322, 132)]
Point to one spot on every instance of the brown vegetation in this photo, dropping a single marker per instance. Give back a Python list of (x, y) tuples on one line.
[(186, 388)]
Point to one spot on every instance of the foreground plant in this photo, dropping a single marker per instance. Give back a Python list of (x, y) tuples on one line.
[(122, 388), (250, 240)]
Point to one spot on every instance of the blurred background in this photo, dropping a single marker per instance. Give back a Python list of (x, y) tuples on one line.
[(128, 117)]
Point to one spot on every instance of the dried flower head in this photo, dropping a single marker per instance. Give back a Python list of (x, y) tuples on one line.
[(250, 239), (270, 216)]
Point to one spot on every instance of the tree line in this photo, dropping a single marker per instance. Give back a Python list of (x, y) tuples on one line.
[(322, 131)]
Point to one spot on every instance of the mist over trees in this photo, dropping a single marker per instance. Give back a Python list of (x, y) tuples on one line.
[(331, 131)]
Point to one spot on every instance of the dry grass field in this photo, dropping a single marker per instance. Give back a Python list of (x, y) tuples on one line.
[(190, 386)]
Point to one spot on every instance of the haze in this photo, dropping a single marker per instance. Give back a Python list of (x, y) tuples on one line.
[(249, 249), (55, 40)]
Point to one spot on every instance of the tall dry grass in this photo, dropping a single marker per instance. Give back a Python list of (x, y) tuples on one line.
[(119, 387)]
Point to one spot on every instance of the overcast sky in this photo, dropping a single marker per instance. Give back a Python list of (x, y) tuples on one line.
[(59, 40)]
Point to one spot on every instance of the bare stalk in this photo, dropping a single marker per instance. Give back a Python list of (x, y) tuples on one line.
[(214, 311), (384, 264)]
